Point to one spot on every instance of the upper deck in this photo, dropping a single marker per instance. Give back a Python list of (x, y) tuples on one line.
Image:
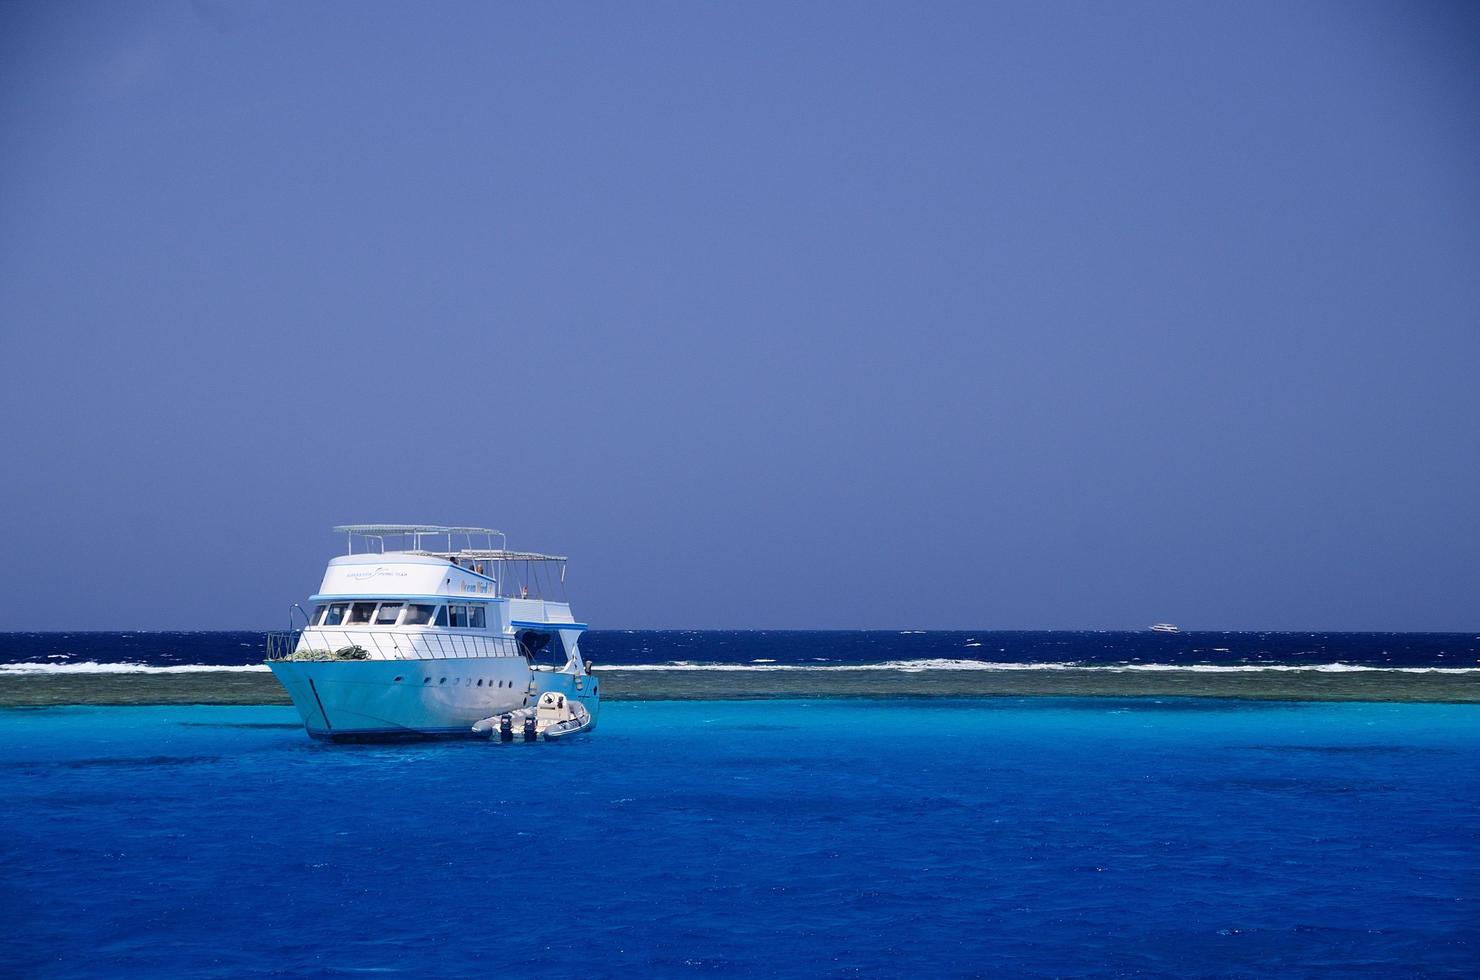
[(527, 585), (415, 602), (465, 570)]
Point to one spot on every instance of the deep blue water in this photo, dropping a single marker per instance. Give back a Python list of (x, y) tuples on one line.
[(823, 838), (821, 647)]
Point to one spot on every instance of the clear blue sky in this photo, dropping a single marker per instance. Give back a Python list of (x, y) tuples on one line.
[(974, 315)]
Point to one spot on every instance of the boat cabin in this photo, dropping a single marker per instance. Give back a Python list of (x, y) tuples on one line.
[(411, 591)]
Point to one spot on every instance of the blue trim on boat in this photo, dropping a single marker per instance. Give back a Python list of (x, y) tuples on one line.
[(524, 624), (486, 578)]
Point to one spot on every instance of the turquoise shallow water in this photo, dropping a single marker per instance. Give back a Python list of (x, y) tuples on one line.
[(1043, 837)]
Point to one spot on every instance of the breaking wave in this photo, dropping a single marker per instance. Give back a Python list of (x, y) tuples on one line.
[(944, 664), (903, 666), (93, 667)]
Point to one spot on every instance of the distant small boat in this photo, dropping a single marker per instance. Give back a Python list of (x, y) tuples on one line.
[(1165, 628)]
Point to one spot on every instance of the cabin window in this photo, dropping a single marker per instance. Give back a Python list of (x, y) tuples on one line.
[(441, 616), (318, 614), (361, 612), (334, 615), (418, 615), (387, 613), (457, 616), (477, 617)]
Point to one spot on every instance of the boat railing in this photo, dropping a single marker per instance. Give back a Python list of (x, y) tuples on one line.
[(281, 643), (381, 644)]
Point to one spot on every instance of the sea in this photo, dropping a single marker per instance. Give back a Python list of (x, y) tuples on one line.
[(1000, 837), (1135, 836), (792, 650)]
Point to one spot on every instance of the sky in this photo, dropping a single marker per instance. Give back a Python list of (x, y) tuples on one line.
[(814, 315)]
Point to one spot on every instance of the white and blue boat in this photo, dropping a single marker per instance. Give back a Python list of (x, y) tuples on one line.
[(432, 636)]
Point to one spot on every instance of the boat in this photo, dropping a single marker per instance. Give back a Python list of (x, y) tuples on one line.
[(421, 632), (1165, 628), (554, 717)]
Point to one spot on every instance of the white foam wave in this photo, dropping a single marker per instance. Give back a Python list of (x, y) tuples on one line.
[(911, 666), (905, 666), (93, 667)]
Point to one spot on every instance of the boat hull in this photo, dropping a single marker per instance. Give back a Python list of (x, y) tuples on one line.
[(372, 699)]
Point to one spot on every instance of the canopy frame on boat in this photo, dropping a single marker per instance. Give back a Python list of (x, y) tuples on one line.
[(379, 532), (494, 554)]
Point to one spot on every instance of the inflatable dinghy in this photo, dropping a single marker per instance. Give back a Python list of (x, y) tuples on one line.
[(555, 716)]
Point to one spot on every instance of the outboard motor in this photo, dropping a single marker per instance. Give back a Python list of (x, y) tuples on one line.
[(506, 728), (529, 731)]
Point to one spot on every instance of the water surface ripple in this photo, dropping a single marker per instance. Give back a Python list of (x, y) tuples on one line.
[(1035, 837)]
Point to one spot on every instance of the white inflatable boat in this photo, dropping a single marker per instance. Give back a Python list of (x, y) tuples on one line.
[(555, 716)]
